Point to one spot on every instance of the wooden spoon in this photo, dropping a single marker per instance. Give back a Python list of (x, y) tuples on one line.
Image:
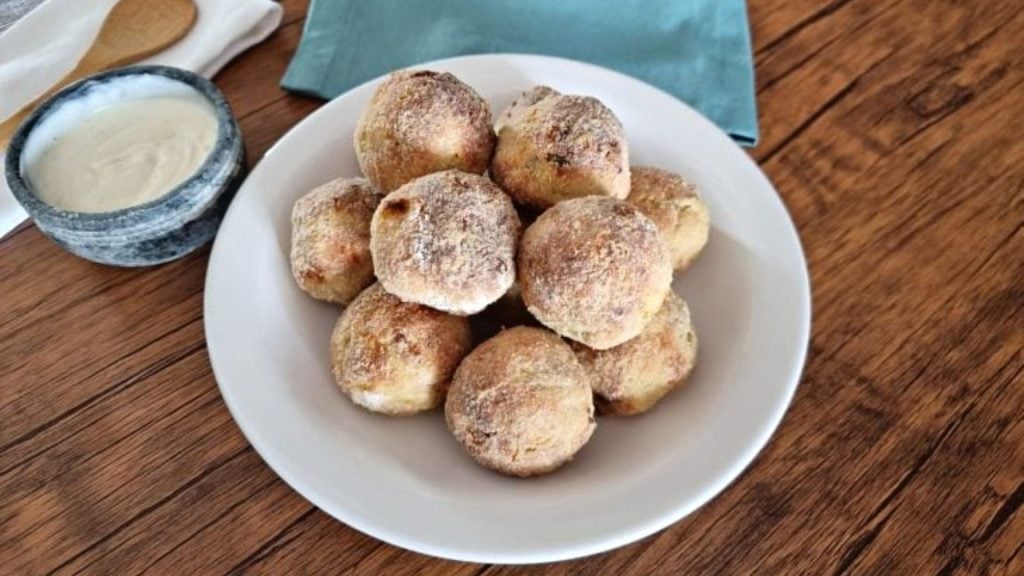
[(134, 29)]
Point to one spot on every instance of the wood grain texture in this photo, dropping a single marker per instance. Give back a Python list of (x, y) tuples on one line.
[(893, 133)]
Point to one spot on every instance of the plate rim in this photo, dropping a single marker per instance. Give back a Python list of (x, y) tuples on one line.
[(627, 535)]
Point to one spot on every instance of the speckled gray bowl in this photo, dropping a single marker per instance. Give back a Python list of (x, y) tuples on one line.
[(160, 230)]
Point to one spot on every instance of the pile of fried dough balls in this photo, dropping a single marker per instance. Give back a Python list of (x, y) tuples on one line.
[(428, 239)]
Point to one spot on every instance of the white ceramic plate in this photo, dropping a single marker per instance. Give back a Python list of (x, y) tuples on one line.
[(405, 480)]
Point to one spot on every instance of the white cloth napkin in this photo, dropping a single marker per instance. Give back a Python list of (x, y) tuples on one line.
[(47, 43)]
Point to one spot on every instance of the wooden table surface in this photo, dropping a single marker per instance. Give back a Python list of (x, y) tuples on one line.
[(894, 131)]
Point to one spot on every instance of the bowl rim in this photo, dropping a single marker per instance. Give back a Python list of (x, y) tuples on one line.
[(182, 198)]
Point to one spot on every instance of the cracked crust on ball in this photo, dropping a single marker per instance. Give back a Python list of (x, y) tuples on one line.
[(632, 377), (419, 122), (520, 403), (396, 358), (552, 147), (330, 244), (676, 209), (522, 103), (594, 270), (446, 240)]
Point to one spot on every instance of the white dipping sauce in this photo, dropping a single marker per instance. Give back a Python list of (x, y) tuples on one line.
[(124, 154)]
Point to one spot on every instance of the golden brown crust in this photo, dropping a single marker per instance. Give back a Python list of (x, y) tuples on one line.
[(676, 209), (396, 358), (446, 240), (419, 122), (594, 270), (632, 377), (520, 403), (330, 245), (522, 103), (552, 147)]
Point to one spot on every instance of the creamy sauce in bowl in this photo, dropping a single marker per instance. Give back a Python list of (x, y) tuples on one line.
[(124, 154), (130, 167)]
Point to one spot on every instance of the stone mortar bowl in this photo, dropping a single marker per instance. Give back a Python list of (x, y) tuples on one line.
[(158, 231)]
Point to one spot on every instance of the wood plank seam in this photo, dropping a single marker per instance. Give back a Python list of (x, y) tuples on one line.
[(863, 542), (959, 546), (823, 109), (112, 446), (152, 507), (273, 479), (822, 13), (121, 386), (952, 297), (272, 544), (811, 55)]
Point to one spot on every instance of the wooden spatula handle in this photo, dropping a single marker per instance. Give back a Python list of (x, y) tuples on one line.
[(124, 37)]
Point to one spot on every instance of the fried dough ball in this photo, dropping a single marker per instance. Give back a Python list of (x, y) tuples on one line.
[(330, 251), (396, 358), (522, 103), (552, 147), (520, 403), (594, 269), (676, 209), (446, 240), (632, 377), (419, 122)]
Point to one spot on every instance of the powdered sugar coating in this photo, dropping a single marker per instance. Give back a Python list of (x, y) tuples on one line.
[(632, 377), (594, 269), (393, 357), (552, 147), (520, 403), (522, 103), (330, 243), (446, 240), (676, 209), (419, 122)]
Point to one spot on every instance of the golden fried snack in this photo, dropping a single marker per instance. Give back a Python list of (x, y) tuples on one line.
[(552, 147), (419, 122), (520, 403), (330, 251), (446, 240), (523, 103), (676, 209), (594, 269), (632, 377), (396, 358)]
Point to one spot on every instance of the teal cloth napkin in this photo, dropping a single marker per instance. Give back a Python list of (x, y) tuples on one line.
[(697, 50)]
